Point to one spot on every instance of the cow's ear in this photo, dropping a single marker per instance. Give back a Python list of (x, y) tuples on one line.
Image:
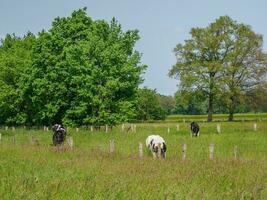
[(151, 142), (164, 147)]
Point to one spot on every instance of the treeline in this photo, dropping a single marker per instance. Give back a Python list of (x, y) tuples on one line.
[(87, 72), (155, 106), (79, 72)]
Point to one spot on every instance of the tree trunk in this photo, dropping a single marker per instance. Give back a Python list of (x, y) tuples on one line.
[(231, 110), (231, 117), (210, 108)]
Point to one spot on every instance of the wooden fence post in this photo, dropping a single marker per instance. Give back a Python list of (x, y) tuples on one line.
[(135, 128), (92, 128), (235, 152), (13, 128), (122, 127), (168, 130), (6, 128), (218, 128), (177, 127), (14, 139), (106, 129), (111, 146), (184, 152), (70, 143), (77, 129), (0, 137), (211, 151), (45, 128), (140, 150), (255, 126)]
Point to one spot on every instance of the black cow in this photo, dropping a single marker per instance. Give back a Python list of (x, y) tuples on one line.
[(59, 134), (194, 129)]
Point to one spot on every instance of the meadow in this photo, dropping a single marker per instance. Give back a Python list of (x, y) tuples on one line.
[(35, 170)]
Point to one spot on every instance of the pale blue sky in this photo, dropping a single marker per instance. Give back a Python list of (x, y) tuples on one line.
[(162, 24)]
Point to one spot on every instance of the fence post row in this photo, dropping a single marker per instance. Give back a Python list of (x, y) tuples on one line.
[(111, 146), (140, 150), (14, 139), (211, 151), (70, 143), (122, 127), (106, 129), (218, 128), (255, 126), (177, 127), (235, 152), (184, 152)]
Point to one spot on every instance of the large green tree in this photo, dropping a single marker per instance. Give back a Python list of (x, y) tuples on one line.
[(245, 64), (83, 72), (219, 59), (15, 58)]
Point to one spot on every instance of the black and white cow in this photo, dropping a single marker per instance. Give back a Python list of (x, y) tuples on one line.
[(157, 145), (59, 134), (194, 129)]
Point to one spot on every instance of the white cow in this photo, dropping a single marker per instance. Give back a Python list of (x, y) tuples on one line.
[(157, 145)]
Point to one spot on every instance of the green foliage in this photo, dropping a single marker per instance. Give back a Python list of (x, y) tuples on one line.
[(190, 102), (256, 98), (167, 103), (148, 105), (15, 57), (78, 72), (221, 60)]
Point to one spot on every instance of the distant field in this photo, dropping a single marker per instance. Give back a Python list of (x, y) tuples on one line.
[(31, 171), (219, 117)]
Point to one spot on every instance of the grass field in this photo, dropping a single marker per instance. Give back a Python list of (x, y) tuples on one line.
[(30, 171), (219, 117)]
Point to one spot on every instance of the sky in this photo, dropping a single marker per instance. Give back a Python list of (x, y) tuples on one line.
[(161, 24)]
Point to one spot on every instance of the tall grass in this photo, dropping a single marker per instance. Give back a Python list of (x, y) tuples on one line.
[(30, 171)]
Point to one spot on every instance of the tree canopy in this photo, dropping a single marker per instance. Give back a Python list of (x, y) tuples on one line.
[(148, 105), (78, 72), (220, 60)]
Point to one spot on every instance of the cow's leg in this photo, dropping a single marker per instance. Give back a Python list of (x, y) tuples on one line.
[(154, 155)]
